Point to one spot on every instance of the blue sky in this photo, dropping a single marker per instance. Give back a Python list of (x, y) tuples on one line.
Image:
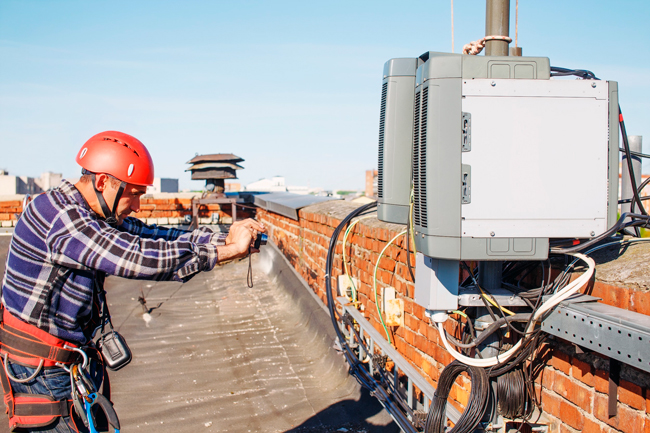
[(293, 87)]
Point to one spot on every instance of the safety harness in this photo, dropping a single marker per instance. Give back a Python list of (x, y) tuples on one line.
[(27, 345), (30, 346)]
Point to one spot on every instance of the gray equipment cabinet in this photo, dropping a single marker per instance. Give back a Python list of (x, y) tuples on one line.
[(396, 140), (505, 158)]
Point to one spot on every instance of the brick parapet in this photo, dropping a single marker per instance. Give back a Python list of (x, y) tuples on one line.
[(163, 209), (573, 386)]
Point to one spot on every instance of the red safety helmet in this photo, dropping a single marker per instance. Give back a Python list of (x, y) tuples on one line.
[(118, 154)]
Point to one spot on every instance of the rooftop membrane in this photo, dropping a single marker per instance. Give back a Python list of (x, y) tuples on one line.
[(213, 355)]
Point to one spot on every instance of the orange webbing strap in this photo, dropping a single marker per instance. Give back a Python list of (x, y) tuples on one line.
[(8, 395), (28, 345), (30, 410), (33, 410)]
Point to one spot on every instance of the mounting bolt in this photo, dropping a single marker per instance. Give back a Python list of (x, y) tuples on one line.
[(593, 233), (493, 83), (422, 235), (593, 85), (492, 234)]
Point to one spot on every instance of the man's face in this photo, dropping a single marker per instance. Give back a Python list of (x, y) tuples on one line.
[(129, 202)]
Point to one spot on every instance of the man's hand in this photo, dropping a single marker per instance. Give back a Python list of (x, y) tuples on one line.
[(240, 239)]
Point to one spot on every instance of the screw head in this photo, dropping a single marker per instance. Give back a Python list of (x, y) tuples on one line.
[(593, 85), (593, 233), (493, 83), (492, 234)]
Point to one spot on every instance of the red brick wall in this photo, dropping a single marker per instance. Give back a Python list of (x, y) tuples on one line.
[(9, 209), (573, 386), (150, 208)]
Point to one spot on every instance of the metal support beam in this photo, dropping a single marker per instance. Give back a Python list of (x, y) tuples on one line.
[(414, 377), (614, 379), (617, 333)]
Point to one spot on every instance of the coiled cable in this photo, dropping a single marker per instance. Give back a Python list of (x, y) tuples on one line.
[(512, 394), (476, 406)]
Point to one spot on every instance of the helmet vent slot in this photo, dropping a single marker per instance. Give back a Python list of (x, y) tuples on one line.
[(123, 144)]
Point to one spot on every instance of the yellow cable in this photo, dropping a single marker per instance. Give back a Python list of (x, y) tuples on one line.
[(410, 220), (489, 299), (345, 263)]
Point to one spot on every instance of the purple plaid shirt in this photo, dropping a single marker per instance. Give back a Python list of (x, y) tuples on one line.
[(60, 243)]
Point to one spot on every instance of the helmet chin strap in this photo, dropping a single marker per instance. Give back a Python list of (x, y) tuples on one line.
[(109, 216)]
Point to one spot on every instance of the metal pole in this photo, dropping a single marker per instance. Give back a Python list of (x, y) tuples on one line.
[(497, 23), (626, 185)]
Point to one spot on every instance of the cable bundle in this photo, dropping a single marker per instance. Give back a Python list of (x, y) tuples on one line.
[(390, 399), (478, 399), (512, 394)]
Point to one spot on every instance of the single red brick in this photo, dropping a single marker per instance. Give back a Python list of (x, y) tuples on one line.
[(630, 420), (417, 358), (600, 410), (548, 378), (408, 353), (575, 392), (572, 415), (411, 322), (10, 203), (421, 343), (640, 302), (551, 403), (409, 336), (612, 295), (591, 426), (462, 396), (601, 381), (566, 429), (423, 327), (582, 371), (631, 395), (418, 311), (561, 361)]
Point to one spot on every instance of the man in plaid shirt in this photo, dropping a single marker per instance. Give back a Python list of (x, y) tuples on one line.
[(69, 237)]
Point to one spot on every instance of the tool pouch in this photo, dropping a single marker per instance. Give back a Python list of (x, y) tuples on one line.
[(115, 351)]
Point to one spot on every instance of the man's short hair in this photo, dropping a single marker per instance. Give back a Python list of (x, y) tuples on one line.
[(88, 178)]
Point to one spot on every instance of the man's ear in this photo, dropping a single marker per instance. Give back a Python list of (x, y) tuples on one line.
[(101, 181)]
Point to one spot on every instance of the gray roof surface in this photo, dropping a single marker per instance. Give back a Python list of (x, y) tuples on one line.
[(216, 356)]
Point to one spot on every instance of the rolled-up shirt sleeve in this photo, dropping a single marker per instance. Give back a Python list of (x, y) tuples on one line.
[(78, 241)]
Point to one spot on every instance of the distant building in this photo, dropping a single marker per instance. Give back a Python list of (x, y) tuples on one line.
[(303, 190), (371, 183), (275, 184), (48, 180), (10, 184), (278, 184), (163, 185), (233, 187)]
